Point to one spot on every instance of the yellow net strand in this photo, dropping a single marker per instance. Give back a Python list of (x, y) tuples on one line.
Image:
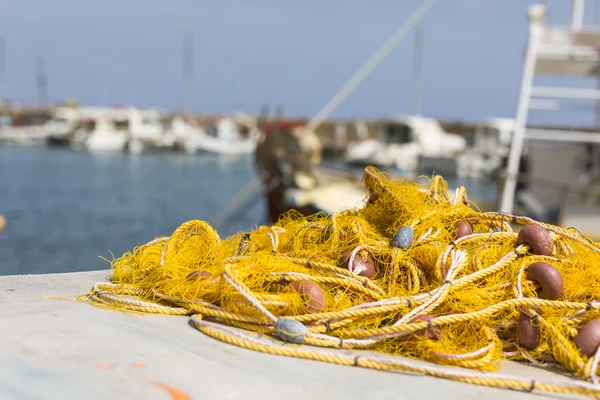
[(399, 365), (416, 272)]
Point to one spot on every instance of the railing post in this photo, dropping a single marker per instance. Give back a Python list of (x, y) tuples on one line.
[(536, 19), (578, 9)]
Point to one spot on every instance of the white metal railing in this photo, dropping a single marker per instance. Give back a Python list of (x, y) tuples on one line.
[(556, 135), (537, 15), (539, 104), (577, 13), (565, 93), (577, 16), (537, 19), (567, 51), (553, 105)]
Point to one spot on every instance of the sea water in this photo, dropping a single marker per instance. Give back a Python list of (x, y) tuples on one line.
[(67, 210)]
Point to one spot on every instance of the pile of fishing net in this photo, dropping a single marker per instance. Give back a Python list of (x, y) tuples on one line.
[(416, 272)]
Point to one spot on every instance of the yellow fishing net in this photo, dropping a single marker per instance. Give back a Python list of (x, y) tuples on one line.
[(417, 272)]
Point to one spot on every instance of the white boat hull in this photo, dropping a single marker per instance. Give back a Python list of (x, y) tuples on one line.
[(209, 144), (403, 157), (101, 142)]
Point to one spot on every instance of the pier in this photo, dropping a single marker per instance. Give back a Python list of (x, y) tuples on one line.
[(58, 349)]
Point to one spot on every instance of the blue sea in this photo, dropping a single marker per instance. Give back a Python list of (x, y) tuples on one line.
[(68, 210), (65, 210)]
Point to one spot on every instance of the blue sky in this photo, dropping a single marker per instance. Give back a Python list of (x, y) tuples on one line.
[(251, 52)]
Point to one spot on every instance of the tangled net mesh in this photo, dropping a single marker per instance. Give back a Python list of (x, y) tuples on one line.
[(349, 281)]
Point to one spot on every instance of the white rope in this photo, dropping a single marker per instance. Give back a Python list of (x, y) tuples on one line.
[(455, 199), (176, 300), (300, 274), (279, 230), (458, 258), (157, 240), (97, 286), (380, 303), (253, 301), (139, 303), (402, 362), (520, 281), (359, 268), (241, 335), (465, 356), (425, 235), (568, 246), (574, 315), (444, 258), (355, 342), (162, 256), (407, 301), (273, 242), (594, 368), (482, 272)]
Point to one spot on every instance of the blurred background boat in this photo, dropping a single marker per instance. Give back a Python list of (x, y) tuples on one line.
[(226, 135), (411, 143)]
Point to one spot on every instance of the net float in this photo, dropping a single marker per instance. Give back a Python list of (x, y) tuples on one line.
[(588, 338), (547, 278), (403, 237), (312, 293), (360, 265), (291, 331), (197, 274), (429, 332), (528, 331), (463, 228), (538, 238)]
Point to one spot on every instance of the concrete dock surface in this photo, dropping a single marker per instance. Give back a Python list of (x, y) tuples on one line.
[(58, 349)]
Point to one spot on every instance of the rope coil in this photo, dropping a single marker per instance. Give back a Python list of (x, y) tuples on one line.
[(467, 301)]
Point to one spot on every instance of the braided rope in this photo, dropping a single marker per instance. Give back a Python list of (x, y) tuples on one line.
[(379, 313), (240, 339)]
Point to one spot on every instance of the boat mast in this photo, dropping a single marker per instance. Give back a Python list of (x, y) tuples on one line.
[(188, 71), (417, 67), (41, 81)]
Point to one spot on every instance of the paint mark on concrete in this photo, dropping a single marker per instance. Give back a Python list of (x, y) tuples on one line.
[(139, 366), (104, 366), (174, 393)]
